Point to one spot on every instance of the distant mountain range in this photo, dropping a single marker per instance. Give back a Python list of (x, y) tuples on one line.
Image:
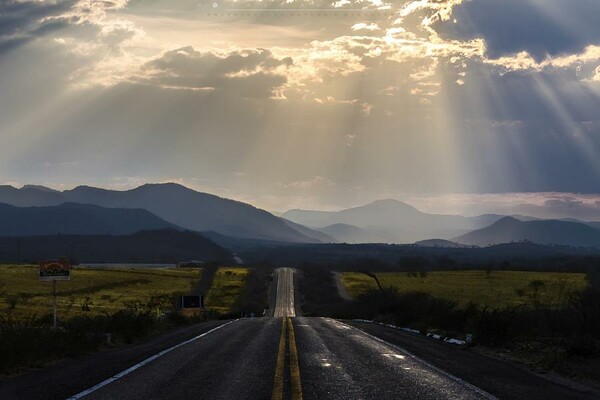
[(547, 232), (174, 203), (37, 210), (388, 221), (76, 219)]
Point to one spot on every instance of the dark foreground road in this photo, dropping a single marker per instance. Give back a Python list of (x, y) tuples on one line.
[(289, 358)]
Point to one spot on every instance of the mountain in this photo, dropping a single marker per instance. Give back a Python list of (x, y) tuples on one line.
[(174, 203), (440, 243), (393, 220), (162, 246), (352, 234), (30, 196), (551, 232), (317, 235), (595, 225), (76, 219)]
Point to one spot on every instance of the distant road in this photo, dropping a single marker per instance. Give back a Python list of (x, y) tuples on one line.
[(289, 357), (284, 300)]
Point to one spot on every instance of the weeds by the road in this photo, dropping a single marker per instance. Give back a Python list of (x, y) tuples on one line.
[(494, 289), (90, 292), (30, 341), (226, 289)]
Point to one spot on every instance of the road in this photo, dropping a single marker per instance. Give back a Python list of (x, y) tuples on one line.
[(289, 357), (284, 299)]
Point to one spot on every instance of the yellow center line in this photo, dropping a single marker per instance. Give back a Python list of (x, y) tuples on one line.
[(279, 369), (294, 368)]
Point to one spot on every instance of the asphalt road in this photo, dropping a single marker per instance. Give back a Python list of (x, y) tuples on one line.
[(284, 300), (289, 357)]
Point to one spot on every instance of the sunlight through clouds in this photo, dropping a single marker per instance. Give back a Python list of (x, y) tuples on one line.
[(428, 96)]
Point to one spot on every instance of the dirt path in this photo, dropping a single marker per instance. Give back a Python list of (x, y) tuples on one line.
[(343, 293)]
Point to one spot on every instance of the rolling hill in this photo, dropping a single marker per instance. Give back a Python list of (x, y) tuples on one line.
[(550, 232), (388, 221), (174, 203), (346, 233), (76, 219)]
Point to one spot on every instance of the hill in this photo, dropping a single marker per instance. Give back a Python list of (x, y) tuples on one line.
[(174, 203), (346, 233), (552, 232), (439, 243), (76, 219), (391, 220), (162, 246)]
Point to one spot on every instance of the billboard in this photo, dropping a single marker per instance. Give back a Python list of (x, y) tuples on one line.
[(55, 270)]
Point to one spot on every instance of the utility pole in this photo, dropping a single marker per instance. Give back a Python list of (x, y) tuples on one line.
[(19, 251)]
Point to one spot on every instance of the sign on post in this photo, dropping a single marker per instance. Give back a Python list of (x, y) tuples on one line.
[(194, 301), (191, 305), (55, 270)]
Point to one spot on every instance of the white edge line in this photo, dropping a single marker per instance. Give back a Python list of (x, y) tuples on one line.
[(146, 361), (441, 371)]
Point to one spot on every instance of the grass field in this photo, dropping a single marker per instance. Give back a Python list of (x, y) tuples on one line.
[(226, 289), (90, 291), (499, 289)]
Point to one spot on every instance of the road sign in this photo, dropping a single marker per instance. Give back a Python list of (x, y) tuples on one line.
[(194, 301), (55, 270)]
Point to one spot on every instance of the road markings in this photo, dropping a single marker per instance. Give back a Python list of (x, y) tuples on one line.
[(294, 368), (279, 369), (146, 361), (287, 330), (448, 375)]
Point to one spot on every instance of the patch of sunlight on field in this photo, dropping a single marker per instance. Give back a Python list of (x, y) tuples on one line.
[(496, 289), (226, 289), (90, 291)]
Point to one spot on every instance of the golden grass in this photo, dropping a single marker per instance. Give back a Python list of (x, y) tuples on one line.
[(500, 289), (105, 290), (226, 289)]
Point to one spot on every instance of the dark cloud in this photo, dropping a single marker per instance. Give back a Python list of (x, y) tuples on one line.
[(542, 28), (22, 22), (251, 73)]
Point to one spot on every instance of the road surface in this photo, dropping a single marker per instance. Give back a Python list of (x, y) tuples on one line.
[(287, 357), (284, 299)]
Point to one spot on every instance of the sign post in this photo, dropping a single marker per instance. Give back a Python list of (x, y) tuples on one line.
[(55, 271)]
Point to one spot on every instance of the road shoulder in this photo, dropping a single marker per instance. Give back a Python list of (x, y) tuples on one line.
[(72, 376), (503, 379)]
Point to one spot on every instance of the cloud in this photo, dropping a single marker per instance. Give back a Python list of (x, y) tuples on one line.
[(542, 28), (251, 73), (317, 181), (585, 207), (24, 21), (364, 26)]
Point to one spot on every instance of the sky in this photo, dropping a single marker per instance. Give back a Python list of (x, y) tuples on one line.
[(458, 106)]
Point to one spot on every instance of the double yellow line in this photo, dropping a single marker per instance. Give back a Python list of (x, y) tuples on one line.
[(295, 386)]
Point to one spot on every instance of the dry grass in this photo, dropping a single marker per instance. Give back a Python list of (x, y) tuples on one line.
[(90, 291), (498, 289), (226, 289)]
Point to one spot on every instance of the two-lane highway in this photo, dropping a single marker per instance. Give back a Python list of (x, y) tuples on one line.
[(296, 358), (284, 357)]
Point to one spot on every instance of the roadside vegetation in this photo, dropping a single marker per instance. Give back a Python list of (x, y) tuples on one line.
[(90, 292), (226, 289), (548, 320), (101, 308), (494, 289)]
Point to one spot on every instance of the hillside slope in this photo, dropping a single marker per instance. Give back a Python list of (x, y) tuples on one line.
[(174, 203), (76, 219), (550, 232)]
